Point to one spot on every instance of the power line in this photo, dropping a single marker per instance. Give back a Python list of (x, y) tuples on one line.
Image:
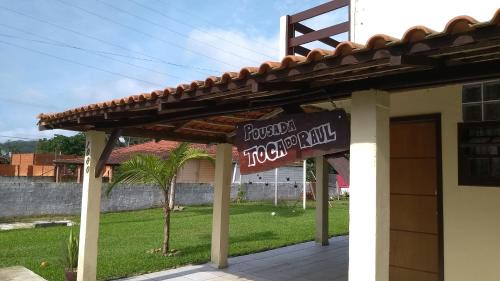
[(102, 41), (194, 27), (81, 64), (169, 43), (174, 31), (21, 138), (64, 45), (39, 105)]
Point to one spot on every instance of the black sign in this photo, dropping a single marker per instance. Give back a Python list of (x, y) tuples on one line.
[(263, 145)]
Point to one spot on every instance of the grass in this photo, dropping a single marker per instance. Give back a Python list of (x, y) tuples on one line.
[(126, 237)]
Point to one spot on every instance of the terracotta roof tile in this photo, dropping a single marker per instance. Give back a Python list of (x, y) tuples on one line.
[(379, 41), (412, 35), (267, 66), (346, 48), (291, 61), (496, 18), (318, 54), (460, 24), (416, 33), (246, 71)]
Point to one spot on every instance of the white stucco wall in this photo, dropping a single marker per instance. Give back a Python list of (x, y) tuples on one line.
[(471, 214), (394, 17)]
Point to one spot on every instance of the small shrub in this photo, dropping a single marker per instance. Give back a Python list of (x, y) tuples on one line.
[(70, 251), (345, 195), (240, 195)]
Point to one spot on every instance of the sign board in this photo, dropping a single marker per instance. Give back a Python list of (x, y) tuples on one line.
[(263, 145)]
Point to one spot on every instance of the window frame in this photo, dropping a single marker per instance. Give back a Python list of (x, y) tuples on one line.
[(481, 102), (464, 176)]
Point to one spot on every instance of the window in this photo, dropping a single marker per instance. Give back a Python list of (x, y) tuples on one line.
[(479, 135), (479, 153), (481, 102)]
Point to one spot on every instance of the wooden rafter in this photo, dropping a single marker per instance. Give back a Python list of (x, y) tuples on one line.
[(266, 116), (110, 144)]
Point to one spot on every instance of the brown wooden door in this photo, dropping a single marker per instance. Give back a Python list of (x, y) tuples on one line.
[(415, 250)]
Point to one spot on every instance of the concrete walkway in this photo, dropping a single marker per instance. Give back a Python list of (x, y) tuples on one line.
[(18, 273), (302, 262)]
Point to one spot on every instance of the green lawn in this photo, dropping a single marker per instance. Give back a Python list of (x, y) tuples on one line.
[(125, 238)]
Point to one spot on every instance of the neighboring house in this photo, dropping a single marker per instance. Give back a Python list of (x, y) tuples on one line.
[(194, 171), (31, 165)]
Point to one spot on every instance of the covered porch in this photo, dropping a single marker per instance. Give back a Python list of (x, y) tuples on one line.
[(301, 262), (369, 81)]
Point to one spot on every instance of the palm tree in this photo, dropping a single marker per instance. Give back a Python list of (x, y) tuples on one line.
[(151, 169)]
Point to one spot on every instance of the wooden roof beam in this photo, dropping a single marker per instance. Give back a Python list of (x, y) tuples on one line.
[(213, 123), (277, 86), (117, 115), (200, 131), (169, 106), (159, 135), (88, 119), (414, 60), (266, 116), (101, 163)]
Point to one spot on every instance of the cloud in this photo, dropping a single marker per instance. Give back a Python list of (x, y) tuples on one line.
[(30, 133), (250, 49), (107, 90)]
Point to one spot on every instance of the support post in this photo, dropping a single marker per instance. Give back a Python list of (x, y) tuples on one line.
[(234, 172), (304, 182), (56, 174), (222, 189), (369, 187), (276, 187), (91, 207), (78, 174), (321, 200)]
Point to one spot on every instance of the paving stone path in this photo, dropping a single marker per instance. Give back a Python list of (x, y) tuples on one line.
[(302, 262)]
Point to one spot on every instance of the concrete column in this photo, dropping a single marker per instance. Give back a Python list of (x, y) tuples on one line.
[(369, 187), (321, 200), (222, 189), (284, 20), (304, 183), (91, 207)]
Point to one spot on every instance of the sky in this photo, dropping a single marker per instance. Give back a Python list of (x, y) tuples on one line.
[(60, 54)]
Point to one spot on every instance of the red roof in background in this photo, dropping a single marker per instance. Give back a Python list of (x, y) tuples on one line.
[(160, 149), (341, 182)]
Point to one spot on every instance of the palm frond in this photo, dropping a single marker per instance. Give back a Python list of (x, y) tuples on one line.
[(146, 169), (150, 169), (194, 153)]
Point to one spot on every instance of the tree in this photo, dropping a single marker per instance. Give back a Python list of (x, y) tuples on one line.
[(74, 145), (151, 169), (18, 146)]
